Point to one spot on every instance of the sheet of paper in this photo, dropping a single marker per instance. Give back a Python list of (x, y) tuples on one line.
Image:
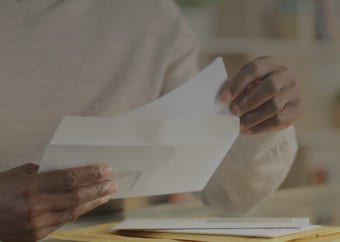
[(255, 232), (252, 227), (103, 233), (171, 145), (210, 223), (259, 232)]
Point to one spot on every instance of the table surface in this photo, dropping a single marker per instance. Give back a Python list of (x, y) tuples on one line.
[(320, 203)]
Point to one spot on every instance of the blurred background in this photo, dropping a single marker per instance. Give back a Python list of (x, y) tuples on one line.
[(304, 35)]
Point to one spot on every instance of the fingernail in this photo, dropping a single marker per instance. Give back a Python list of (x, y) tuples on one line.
[(226, 96), (104, 199), (111, 188), (106, 170), (235, 109)]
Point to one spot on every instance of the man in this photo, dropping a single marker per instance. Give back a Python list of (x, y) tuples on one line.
[(101, 58)]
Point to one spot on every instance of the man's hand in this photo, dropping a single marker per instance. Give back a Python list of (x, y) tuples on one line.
[(264, 95), (34, 205)]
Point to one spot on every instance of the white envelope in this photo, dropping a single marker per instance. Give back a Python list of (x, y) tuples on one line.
[(250, 227), (255, 232), (171, 145), (210, 223)]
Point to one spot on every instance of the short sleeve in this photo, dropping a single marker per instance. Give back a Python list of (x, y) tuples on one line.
[(181, 59)]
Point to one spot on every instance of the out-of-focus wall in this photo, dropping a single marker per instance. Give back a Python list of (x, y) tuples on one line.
[(304, 35)]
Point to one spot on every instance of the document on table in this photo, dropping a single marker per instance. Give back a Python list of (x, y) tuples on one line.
[(171, 145), (103, 233), (253, 227)]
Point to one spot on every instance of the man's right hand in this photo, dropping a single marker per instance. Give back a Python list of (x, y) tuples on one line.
[(32, 205)]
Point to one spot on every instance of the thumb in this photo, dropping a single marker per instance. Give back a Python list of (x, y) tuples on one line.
[(29, 168)]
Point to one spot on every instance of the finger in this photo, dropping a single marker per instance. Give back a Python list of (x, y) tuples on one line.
[(74, 198), (60, 217), (89, 207), (261, 93), (255, 70), (268, 109), (28, 168), (73, 214), (46, 231), (280, 121), (67, 179)]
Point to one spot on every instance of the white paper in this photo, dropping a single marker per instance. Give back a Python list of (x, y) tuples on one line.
[(171, 145), (211, 223), (253, 227), (259, 232)]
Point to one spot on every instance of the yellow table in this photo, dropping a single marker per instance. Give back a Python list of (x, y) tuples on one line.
[(320, 203)]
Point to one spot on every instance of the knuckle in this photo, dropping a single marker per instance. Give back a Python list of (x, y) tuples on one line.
[(74, 214), (276, 105), (31, 223), (94, 173), (244, 103), (31, 227), (32, 167), (278, 120), (34, 225), (71, 178), (251, 68), (66, 216), (271, 86), (35, 235), (101, 189), (246, 120), (27, 225), (27, 204), (77, 198)]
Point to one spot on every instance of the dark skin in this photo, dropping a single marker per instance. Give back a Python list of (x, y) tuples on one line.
[(264, 95), (33, 205)]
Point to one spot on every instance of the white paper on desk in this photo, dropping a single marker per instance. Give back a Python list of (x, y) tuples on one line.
[(253, 227), (172, 145), (256, 232), (210, 223)]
